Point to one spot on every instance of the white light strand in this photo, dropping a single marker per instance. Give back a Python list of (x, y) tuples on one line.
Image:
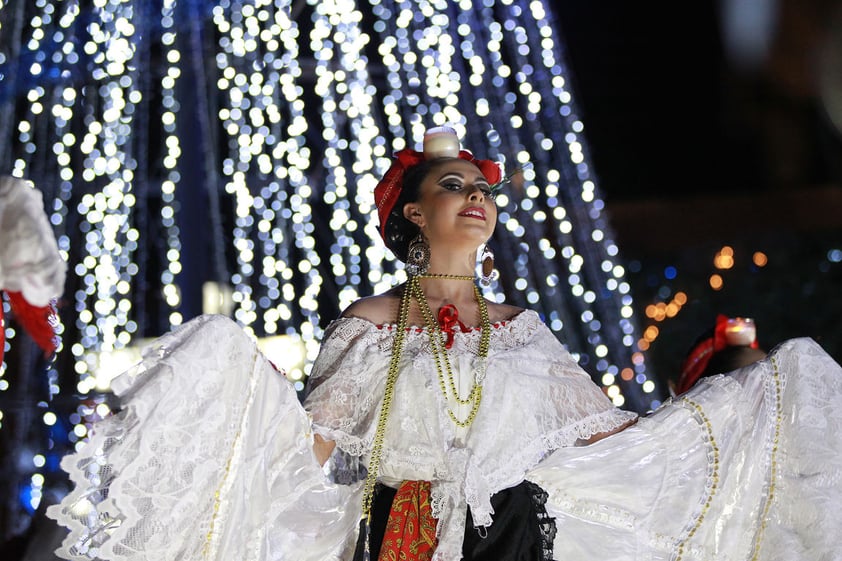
[(107, 267), (267, 169), (171, 160), (603, 263), (349, 127)]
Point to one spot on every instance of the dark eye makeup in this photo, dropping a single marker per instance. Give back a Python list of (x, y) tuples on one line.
[(455, 183)]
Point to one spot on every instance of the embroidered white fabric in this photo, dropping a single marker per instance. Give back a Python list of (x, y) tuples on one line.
[(535, 399), (210, 458), (30, 262), (211, 455), (743, 466)]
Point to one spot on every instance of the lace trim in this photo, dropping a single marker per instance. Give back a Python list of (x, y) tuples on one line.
[(480, 487), (423, 329), (774, 389), (221, 502), (546, 523), (712, 479), (508, 334)]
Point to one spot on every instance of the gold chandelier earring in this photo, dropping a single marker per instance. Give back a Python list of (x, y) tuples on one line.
[(488, 272)]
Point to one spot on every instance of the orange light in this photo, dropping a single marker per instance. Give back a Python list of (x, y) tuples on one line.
[(672, 310), (643, 345), (723, 261), (637, 358), (627, 374), (651, 333), (724, 258), (760, 259), (651, 311), (660, 311), (680, 298), (716, 282)]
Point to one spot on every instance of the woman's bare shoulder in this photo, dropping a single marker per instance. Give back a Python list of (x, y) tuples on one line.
[(502, 312), (379, 309)]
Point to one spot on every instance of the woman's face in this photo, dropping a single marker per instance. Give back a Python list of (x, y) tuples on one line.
[(455, 204)]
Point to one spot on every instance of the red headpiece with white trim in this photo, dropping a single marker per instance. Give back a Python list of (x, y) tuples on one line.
[(440, 142)]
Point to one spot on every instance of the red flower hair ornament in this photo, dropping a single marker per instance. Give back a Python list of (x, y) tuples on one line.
[(440, 142)]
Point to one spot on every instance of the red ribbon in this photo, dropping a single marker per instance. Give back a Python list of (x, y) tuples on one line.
[(389, 189), (719, 333), (448, 319), (37, 321)]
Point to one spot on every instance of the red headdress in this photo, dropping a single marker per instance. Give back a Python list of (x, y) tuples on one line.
[(440, 142), (728, 332)]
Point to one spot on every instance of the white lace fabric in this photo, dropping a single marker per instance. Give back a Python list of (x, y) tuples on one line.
[(535, 399), (30, 262), (211, 456)]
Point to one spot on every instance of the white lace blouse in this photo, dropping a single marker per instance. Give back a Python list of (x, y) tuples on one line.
[(535, 399)]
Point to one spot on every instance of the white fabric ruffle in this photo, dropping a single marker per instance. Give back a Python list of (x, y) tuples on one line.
[(211, 458), (30, 262), (743, 466)]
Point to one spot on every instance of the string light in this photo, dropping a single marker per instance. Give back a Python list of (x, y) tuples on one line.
[(309, 102), (171, 160)]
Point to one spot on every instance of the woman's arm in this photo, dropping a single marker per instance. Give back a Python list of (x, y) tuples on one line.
[(600, 435)]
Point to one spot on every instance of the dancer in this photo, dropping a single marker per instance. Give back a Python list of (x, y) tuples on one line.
[(730, 345), (439, 425)]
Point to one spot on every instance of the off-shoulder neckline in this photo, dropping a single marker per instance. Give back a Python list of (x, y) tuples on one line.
[(521, 315)]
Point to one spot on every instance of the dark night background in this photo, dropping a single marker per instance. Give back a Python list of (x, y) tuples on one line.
[(712, 124)]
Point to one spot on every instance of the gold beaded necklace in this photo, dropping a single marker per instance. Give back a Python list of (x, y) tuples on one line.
[(377, 445), (413, 290), (448, 383), (445, 276)]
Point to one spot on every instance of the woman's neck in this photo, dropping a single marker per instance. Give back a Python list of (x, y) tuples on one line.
[(451, 263), (449, 279), (439, 292)]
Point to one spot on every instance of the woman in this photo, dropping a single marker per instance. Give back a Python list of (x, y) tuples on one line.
[(729, 345), (450, 426), (484, 389)]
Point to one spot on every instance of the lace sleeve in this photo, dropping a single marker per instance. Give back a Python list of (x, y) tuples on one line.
[(346, 383), (210, 454), (579, 403)]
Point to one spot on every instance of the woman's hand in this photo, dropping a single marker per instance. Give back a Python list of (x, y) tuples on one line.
[(323, 448)]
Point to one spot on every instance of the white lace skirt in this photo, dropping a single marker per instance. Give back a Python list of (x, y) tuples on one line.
[(211, 458)]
